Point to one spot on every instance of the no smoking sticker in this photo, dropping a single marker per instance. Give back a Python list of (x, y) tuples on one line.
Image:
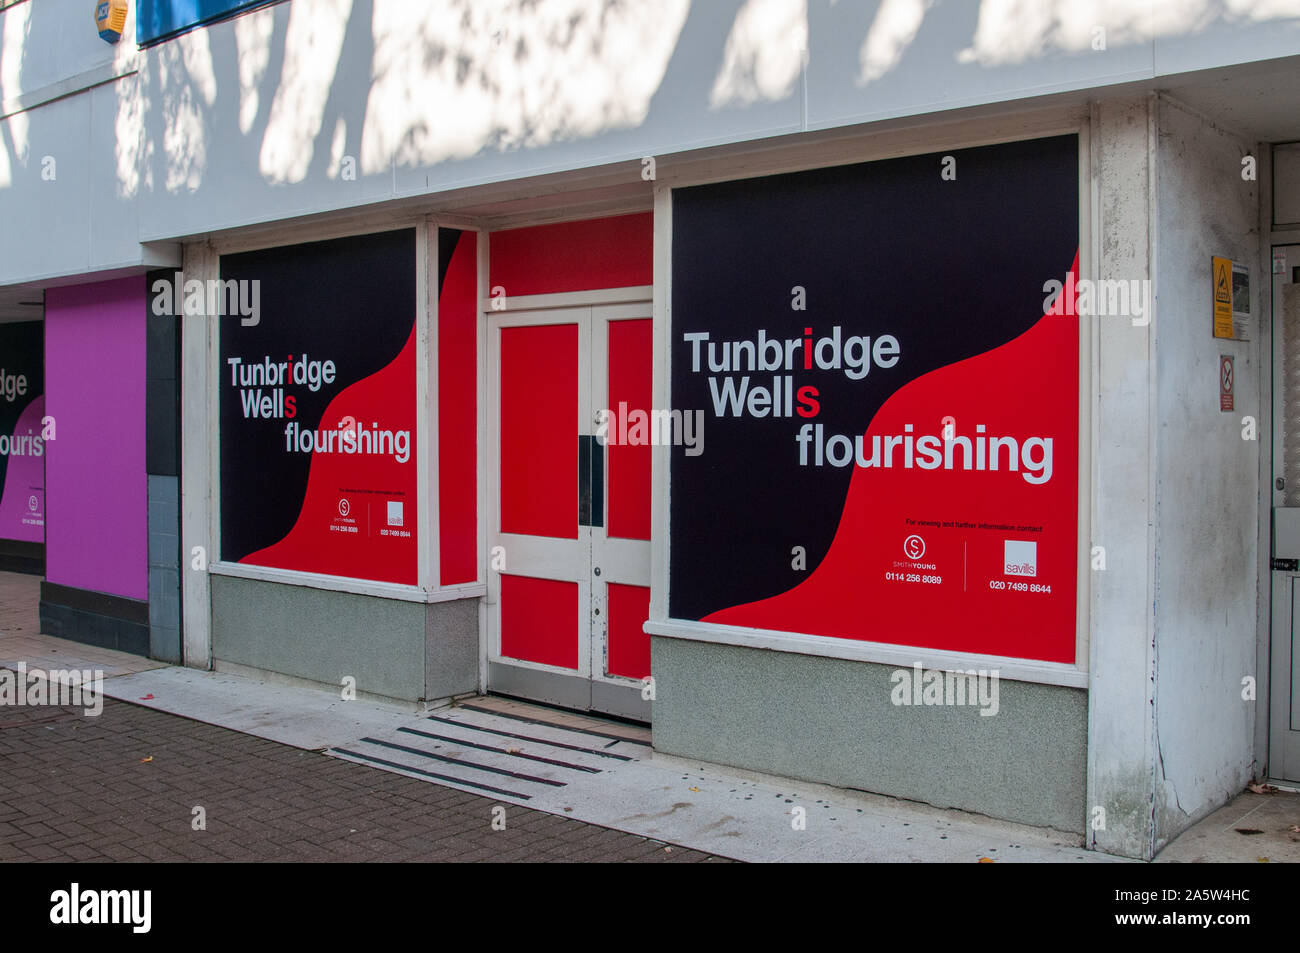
[(1225, 383)]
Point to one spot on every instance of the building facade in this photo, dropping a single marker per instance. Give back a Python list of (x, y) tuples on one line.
[(891, 395)]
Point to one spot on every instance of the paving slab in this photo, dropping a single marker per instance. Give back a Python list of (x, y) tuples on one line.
[(533, 756), (299, 716), (1253, 828), (21, 640)]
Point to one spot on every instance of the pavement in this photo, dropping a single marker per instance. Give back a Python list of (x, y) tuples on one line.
[(292, 772), (599, 771), (1253, 828), (139, 785)]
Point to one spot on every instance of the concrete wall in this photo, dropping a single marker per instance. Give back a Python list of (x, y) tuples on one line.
[(48, 42), (451, 648), (1208, 489), (403, 650), (1175, 487), (264, 116), (832, 721), (1121, 624), (66, 149)]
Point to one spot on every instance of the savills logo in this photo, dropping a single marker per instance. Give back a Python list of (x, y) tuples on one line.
[(1019, 558)]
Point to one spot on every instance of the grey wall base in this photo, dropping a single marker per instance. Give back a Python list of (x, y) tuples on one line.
[(832, 721), (403, 650)]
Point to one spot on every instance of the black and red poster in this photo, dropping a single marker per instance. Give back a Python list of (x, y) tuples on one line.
[(890, 446), (318, 409), (22, 431)]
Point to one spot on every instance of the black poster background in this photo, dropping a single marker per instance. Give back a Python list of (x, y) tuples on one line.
[(22, 351), (951, 268), (337, 300), (447, 240)]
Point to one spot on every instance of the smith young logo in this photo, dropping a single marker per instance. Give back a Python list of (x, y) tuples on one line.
[(76, 906)]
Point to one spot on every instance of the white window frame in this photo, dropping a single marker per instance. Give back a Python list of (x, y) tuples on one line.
[(427, 588), (917, 140)]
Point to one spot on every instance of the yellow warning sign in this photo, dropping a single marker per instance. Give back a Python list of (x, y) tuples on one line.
[(1222, 297)]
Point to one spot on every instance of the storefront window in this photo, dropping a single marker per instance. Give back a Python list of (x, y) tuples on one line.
[(890, 407), (318, 407)]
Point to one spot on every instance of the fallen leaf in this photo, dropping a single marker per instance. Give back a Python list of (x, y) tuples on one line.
[(146, 760), (987, 860), (1261, 860), (1261, 788), (513, 750), (147, 698), (694, 789), (668, 850)]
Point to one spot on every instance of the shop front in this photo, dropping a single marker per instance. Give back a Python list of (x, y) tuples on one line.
[(876, 570), (822, 464), (728, 467)]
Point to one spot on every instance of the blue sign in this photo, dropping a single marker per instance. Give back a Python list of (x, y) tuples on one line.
[(156, 19)]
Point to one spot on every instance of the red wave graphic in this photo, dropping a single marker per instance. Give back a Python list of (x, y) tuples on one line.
[(1028, 387), (359, 544)]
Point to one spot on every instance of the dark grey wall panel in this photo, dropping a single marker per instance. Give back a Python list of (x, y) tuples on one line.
[(162, 385), (164, 569), (20, 556), (95, 618)]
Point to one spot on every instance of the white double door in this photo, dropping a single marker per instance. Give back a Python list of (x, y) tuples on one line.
[(569, 515)]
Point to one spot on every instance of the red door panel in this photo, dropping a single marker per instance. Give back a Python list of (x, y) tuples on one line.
[(629, 647), (630, 350), (539, 620), (539, 440)]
